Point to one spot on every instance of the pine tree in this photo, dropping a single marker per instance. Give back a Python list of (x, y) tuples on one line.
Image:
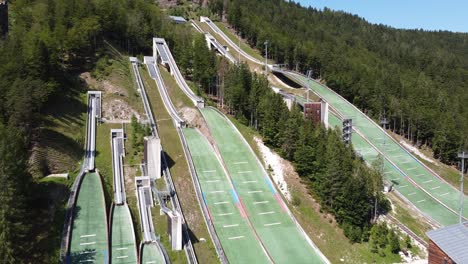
[(14, 182)]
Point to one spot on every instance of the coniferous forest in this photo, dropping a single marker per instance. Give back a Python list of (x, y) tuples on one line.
[(419, 79), (48, 44)]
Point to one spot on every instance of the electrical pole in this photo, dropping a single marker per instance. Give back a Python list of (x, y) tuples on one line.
[(384, 122), (463, 155), (238, 52), (266, 57)]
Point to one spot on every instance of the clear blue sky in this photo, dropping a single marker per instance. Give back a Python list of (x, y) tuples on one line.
[(426, 14)]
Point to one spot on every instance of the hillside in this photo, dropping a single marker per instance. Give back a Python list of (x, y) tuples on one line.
[(417, 78)]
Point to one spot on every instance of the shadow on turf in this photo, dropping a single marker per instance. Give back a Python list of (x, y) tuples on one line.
[(83, 256), (169, 161), (76, 211), (192, 236)]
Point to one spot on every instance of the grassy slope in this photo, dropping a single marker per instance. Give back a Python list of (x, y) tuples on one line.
[(62, 137), (178, 98), (118, 72), (408, 216), (182, 180), (121, 74)]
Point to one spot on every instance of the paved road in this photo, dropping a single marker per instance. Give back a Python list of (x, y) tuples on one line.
[(89, 229), (282, 238), (225, 210), (123, 244)]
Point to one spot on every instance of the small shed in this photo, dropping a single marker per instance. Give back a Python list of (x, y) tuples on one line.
[(178, 19), (449, 244)]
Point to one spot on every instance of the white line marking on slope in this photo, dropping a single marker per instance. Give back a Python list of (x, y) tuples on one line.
[(262, 202), (427, 181), (227, 226), (271, 212), (123, 248), (437, 187), (209, 171), (444, 194), (255, 191), (225, 214), (223, 202), (93, 235), (420, 201), (121, 257), (242, 172), (217, 192), (240, 162), (237, 237), (89, 243), (271, 224), (411, 194), (249, 181)]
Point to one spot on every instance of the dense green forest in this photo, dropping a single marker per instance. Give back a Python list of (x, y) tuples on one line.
[(418, 78), (50, 42)]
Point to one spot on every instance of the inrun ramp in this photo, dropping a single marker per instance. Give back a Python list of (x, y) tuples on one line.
[(117, 146), (89, 229), (123, 242), (282, 237), (225, 211)]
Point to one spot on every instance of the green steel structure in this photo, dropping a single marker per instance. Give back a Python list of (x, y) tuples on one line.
[(237, 238), (123, 242), (89, 238), (283, 239)]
